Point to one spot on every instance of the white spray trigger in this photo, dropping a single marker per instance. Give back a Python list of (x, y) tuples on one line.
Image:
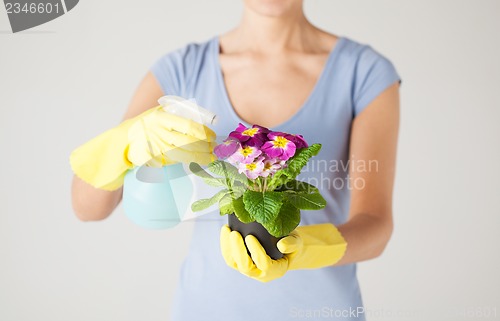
[(187, 108)]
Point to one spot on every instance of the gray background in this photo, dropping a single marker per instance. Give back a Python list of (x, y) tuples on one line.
[(66, 81)]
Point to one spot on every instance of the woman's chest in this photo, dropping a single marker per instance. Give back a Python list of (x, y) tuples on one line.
[(269, 92)]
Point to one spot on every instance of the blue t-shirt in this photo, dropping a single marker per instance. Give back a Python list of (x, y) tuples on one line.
[(208, 289)]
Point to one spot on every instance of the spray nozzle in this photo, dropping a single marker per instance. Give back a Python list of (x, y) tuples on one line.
[(187, 108)]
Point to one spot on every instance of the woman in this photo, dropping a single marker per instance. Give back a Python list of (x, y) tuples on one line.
[(279, 71)]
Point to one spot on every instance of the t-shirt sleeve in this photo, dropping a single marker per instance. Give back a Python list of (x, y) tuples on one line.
[(374, 74), (168, 72)]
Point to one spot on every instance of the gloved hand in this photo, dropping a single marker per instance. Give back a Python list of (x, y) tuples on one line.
[(307, 247), (154, 137)]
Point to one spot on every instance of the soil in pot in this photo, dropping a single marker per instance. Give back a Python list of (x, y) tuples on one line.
[(267, 241)]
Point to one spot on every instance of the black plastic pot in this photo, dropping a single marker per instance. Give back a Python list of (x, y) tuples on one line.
[(267, 241)]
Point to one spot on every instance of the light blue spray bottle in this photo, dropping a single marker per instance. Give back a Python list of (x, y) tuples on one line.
[(161, 197)]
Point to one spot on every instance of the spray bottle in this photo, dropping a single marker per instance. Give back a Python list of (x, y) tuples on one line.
[(160, 197)]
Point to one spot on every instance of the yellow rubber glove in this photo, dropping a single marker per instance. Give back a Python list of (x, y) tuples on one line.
[(307, 247), (154, 137)]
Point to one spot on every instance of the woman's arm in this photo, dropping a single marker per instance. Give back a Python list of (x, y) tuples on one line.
[(373, 143), (92, 204)]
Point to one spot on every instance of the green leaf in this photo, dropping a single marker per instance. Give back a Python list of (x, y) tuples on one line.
[(263, 206), (241, 212), (302, 195), (227, 171), (300, 159), (216, 181), (207, 178), (287, 220), (305, 201), (294, 166), (204, 203), (238, 190), (198, 170), (226, 205), (235, 183)]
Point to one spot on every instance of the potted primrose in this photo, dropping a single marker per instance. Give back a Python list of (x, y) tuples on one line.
[(257, 169)]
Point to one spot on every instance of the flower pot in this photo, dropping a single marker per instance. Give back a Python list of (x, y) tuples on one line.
[(267, 241)]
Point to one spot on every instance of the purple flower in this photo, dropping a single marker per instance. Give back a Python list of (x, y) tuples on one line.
[(252, 170), (262, 129), (254, 136), (298, 140), (278, 146), (245, 154), (227, 148)]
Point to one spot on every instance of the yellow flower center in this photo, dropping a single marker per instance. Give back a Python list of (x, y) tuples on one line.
[(250, 132), (246, 151), (251, 166), (280, 142), (267, 166)]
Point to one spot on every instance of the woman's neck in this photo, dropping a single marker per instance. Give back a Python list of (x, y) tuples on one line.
[(268, 35)]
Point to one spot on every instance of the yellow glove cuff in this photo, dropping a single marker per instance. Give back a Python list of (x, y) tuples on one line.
[(102, 162)]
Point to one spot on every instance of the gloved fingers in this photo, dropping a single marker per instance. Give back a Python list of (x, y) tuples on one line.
[(142, 132), (240, 256), (271, 269), (291, 243), (139, 153), (199, 152), (179, 139), (225, 246), (258, 254), (235, 254), (163, 136), (184, 125)]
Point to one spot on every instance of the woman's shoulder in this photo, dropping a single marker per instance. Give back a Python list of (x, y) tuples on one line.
[(372, 71), (189, 52), (360, 52), (176, 67)]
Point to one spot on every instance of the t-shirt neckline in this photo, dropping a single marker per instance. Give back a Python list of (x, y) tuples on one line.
[(332, 56)]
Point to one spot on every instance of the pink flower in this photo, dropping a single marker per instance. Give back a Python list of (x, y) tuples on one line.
[(271, 166), (252, 170), (255, 136), (245, 154), (227, 148), (278, 146)]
